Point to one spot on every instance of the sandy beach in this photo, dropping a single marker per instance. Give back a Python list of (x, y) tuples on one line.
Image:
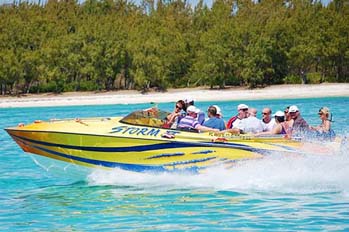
[(172, 95)]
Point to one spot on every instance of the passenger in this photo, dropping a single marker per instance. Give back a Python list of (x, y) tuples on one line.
[(281, 126), (190, 123), (324, 130), (173, 118), (267, 121), (287, 114), (298, 124), (251, 124), (190, 102), (215, 120), (234, 123), (219, 111)]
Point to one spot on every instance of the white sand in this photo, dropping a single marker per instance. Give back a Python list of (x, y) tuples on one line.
[(199, 94)]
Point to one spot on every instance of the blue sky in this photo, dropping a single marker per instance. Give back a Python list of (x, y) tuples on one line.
[(193, 2)]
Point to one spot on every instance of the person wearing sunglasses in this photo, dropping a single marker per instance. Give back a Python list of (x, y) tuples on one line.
[(234, 124), (174, 117), (324, 130), (267, 121)]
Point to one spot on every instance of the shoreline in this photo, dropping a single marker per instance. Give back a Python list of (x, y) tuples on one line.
[(172, 95)]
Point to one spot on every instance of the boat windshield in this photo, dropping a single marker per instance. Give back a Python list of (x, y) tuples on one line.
[(149, 117)]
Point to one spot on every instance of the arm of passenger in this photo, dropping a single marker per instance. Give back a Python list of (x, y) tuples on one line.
[(204, 128)]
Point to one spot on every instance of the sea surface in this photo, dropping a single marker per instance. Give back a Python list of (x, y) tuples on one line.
[(301, 193)]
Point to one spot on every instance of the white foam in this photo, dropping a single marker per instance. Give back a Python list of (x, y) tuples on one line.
[(294, 174)]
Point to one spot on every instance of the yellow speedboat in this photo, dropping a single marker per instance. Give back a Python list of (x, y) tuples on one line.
[(138, 142)]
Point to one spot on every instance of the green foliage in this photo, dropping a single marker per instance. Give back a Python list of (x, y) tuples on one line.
[(314, 78), (114, 44)]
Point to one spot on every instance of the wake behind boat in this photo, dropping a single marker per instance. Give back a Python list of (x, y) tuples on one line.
[(138, 142)]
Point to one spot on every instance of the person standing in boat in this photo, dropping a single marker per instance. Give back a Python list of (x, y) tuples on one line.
[(214, 118), (190, 102), (190, 122), (324, 130), (267, 121)]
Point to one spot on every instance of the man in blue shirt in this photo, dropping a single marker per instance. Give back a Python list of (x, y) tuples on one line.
[(214, 121)]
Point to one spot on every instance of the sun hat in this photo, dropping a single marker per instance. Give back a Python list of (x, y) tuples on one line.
[(242, 107), (293, 109), (193, 109), (279, 114)]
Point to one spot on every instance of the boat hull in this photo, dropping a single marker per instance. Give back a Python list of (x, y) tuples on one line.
[(108, 143)]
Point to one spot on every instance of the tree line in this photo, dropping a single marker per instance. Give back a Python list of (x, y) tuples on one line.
[(97, 45)]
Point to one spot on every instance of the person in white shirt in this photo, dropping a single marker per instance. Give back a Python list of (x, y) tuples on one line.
[(267, 121), (251, 124)]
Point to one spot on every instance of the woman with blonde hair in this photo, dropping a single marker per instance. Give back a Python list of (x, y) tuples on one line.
[(324, 130)]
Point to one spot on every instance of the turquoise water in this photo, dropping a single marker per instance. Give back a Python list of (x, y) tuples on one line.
[(276, 193)]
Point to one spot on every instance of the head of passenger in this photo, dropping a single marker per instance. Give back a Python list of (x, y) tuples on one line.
[(279, 116), (252, 112), (324, 113), (242, 111), (192, 111), (212, 112), (179, 106), (293, 111), (266, 115), (219, 111)]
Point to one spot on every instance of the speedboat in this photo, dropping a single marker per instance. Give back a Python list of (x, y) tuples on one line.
[(138, 142)]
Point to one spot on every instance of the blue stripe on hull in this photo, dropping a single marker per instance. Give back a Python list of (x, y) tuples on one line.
[(170, 144)]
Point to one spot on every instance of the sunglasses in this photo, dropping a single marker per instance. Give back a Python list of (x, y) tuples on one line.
[(178, 107), (265, 113)]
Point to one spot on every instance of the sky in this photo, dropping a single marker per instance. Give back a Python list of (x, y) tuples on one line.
[(193, 2)]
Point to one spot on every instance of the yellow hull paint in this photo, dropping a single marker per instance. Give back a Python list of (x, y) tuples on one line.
[(108, 143)]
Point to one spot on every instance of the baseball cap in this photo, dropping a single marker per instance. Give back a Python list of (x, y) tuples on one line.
[(193, 109), (242, 107), (293, 109)]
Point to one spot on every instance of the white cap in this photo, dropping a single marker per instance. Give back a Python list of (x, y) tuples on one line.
[(219, 111), (279, 114), (293, 109), (188, 100), (193, 109), (242, 107)]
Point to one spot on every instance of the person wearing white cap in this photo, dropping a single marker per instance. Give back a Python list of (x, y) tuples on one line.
[(267, 121), (214, 121), (280, 127), (299, 125), (234, 123), (190, 102), (190, 123), (251, 124)]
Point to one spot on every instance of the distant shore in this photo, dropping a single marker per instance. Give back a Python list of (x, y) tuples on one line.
[(172, 95)]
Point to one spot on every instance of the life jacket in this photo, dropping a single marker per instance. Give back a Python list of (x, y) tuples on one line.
[(231, 121)]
